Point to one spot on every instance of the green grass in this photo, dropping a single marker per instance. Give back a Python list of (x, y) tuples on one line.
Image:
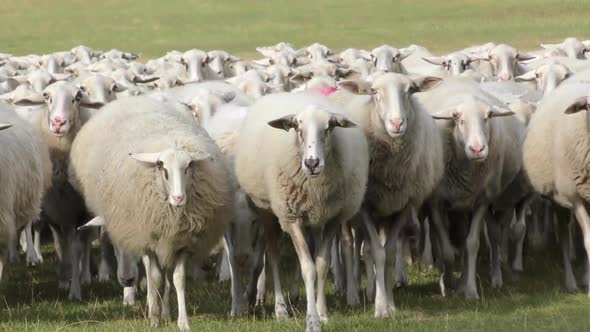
[(153, 27), (532, 301)]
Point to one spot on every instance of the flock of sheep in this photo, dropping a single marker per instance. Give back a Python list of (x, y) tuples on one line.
[(359, 156)]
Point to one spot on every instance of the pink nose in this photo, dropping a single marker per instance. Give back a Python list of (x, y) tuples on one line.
[(477, 148), (58, 122), (178, 199), (505, 76), (396, 123)]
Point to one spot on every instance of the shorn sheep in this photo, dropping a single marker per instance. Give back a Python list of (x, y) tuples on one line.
[(25, 175), (164, 196), (406, 154), (312, 176)]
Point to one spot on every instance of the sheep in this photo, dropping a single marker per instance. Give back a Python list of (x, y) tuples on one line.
[(388, 58), (406, 165), (547, 76), (184, 209), (505, 61), (454, 63), (24, 179), (293, 175), (482, 157), (59, 120), (218, 64), (195, 61), (571, 47), (554, 154)]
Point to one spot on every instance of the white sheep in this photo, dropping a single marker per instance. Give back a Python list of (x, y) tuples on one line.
[(555, 153), (406, 166), (164, 197), (24, 177), (312, 176)]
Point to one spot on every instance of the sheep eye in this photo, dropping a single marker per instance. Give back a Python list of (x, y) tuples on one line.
[(159, 164), (412, 89), (114, 87), (83, 88)]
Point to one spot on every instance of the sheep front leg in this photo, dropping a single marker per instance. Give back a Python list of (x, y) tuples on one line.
[(584, 221), (308, 272), (472, 245), (236, 292), (75, 249), (564, 243), (378, 253), (37, 241), (31, 258), (352, 296), (154, 282), (272, 255), (321, 263), (178, 279), (337, 267)]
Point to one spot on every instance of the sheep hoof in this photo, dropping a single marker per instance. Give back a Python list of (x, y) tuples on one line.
[(385, 312), (313, 323), (75, 295), (470, 293), (281, 311), (352, 299), (183, 325), (63, 285), (401, 284), (33, 260), (154, 322)]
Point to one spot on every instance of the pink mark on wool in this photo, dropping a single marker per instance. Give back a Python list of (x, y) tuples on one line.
[(324, 91)]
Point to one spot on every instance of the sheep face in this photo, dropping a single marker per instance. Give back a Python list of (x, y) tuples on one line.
[(455, 63), (218, 61), (571, 47), (100, 90), (504, 60), (4, 126), (471, 127), (205, 104), (63, 107), (194, 62), (314, 127), (175, 169), (388, 59), (40, 79), (547, 77)]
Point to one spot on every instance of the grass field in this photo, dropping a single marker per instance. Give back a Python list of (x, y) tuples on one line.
[(535, 300), (153, 27)]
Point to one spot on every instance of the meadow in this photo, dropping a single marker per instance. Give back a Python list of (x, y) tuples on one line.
[(534, 300)]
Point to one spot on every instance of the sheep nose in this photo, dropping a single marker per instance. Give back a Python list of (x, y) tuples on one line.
[(477, 148), (219, 72), (178, 199), (396, 123), (128, 282), (58, 122), (505, 76), (312, 163)]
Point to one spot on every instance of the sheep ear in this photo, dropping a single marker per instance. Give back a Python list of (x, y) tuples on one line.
[(550, 46), (148, 158), (525, 57), (95, 222), (528, 76), (138, 79), (442, 115), (60, 77), (496, 111), (436, 60), (200, 155), (346, 72), (406, 52), (228, 96), (301, 77), (359, 87), (427, 83), (119, 87), (580, 104), (286, 122), (484, 56), (4, 126), (32, 98), (340, 120)]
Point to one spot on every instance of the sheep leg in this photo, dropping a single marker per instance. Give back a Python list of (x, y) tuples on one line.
[(564, 243), (446, 250), (236, 289), (378, 251), (321, 264), (13, 250), (75, 248), (394, 253), (426, 256), (178, 278), (106, 253), (165, 313), (370, 270), (272, 255), (86, 241), (495, 235), (518, 233), (57, 243), (129, 295), (584, 221), (358, 243), (352, 296), (224, 268), (472, 246), (336, 266), (261, 287), (31, 257), (154, 282), (64, 273), (256, 275), (37, 240), (308, 272)]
